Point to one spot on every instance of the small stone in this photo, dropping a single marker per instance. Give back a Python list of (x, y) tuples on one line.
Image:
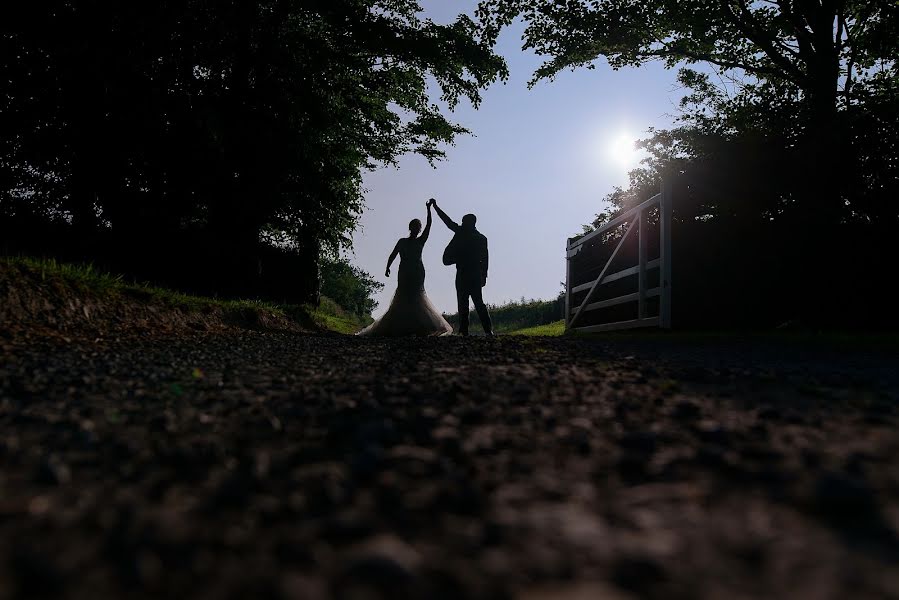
[(632, 469), (367, 463), (383, 567), (234, 489), (711, 432), (685, 411), (640, 442), (52, 471), (711, 455)]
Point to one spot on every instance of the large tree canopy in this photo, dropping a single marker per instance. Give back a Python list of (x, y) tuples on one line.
[(821, 48), (240, 118), (818, 77)]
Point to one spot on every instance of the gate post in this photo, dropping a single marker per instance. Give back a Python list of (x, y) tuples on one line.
[(665, 255), (642, 239)]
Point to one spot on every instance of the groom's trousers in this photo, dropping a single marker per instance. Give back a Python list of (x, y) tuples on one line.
[(468, 285)]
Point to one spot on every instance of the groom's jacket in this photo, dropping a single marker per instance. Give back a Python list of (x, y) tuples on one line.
[(468, 251)]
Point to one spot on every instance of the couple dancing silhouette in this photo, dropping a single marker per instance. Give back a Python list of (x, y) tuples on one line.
[(411, 312)]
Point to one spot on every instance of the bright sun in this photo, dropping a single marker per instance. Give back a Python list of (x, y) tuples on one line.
[(623, 151)]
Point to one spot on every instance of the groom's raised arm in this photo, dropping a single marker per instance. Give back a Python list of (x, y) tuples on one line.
[(445, 218)]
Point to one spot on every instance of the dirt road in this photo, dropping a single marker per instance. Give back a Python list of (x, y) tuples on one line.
[(290, 466)]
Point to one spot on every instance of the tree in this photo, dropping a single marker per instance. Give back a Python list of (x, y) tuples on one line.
[(806, 64), (349, 286), (237, 120)]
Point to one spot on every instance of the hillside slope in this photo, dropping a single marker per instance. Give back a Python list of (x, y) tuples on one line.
[(51, 298)]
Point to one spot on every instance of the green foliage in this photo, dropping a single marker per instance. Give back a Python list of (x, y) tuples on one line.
[(79, 275), (349, 286), (239, 119), (815, 85), (808, 45), (517, 315), (554, 329), (328, 315)]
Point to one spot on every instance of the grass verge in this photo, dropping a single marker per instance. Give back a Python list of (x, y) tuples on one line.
[(332, 317), (62, 280), (549, 330)]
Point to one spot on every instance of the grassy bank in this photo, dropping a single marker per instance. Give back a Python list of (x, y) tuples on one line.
[(549, 330), (44, 290), (517, 316), (331, 317)]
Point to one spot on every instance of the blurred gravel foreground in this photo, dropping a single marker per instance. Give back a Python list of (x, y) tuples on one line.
[(290, 466)]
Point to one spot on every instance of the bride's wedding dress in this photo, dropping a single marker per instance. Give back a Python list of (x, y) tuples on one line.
[(410, 312)]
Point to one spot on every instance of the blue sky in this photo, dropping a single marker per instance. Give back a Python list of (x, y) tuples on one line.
[(537, 167)]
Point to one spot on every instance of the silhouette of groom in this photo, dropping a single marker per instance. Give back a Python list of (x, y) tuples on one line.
[(468, 251)]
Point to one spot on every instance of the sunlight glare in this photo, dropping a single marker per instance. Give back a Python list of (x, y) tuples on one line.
[(622, 151)]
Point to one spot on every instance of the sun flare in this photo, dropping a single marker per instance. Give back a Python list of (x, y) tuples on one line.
[(622, 151)]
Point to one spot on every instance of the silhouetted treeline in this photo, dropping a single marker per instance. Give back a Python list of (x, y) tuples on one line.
[(215, 145), (517, 315)]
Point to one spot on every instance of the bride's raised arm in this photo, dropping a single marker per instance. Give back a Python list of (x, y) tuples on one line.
[(427, 230)]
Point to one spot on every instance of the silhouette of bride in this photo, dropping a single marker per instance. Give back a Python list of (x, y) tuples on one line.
[(410, 312)]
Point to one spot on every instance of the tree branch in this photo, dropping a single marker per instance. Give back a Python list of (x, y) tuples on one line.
[(803, 35), (790, 70), (850, 62), (727, 64), (838, 36)]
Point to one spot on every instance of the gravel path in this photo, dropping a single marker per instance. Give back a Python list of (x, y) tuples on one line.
[(305, 467)]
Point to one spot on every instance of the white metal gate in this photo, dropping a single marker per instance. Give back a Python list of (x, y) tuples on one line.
[(636, 218)]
